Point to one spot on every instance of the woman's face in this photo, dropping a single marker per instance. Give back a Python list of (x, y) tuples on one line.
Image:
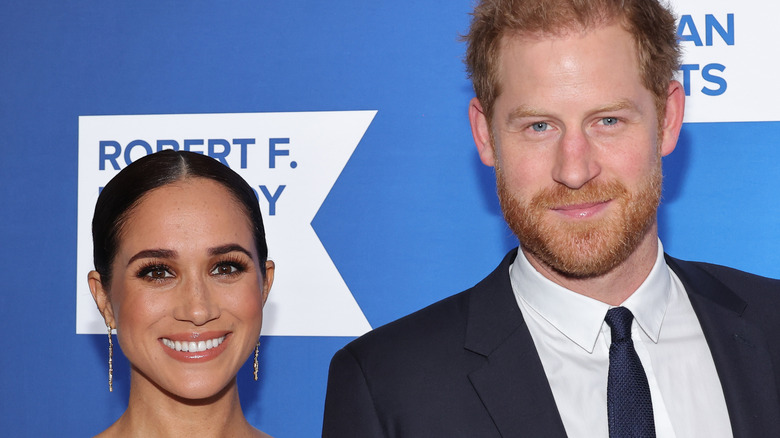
[(187, 292)]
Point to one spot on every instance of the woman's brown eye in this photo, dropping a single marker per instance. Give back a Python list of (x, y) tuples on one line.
[(155, 273), (225, 269)]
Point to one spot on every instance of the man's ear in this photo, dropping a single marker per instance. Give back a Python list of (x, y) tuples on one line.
[(269, 279), (480, 130), (102, 299), (673, 117)]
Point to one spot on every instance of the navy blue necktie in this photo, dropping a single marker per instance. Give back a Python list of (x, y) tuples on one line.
[(629, 406)]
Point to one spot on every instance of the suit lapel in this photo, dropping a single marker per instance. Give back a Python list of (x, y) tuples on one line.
[(739, 350), (514, 389), (511, 383)]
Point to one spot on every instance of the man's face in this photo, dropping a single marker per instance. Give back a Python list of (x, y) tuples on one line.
[(575, 142)]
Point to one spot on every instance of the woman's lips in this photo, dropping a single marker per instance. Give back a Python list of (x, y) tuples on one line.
[(195, 347)]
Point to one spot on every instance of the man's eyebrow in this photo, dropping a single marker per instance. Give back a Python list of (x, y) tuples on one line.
[(228, 248), (157, 253), (523, 111), (623, 104)]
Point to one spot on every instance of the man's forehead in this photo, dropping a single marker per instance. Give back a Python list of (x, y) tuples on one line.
[(516, 43)]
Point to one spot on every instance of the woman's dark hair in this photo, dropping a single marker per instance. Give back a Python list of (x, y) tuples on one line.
[(125, 191)]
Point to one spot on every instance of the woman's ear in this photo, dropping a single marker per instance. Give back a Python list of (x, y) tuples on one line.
[(102, 299), (269, 279)]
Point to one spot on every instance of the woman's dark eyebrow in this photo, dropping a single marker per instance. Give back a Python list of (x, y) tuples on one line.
[(157, 253), (230, 247)]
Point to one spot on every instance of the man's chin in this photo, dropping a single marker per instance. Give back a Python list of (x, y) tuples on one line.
[(577, 259), (589, 245), (581, 250), (581, 268)]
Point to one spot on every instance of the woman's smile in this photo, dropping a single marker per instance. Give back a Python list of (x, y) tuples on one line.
[(197, 350)]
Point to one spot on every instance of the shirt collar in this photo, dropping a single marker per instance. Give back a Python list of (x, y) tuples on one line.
[(580, 318)]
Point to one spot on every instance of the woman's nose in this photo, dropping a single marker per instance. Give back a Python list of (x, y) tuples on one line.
[(196, 302)]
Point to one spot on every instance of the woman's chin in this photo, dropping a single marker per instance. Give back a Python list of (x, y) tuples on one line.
[(197, 391)]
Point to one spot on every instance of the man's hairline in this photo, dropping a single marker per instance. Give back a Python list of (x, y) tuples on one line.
[(561, 32)]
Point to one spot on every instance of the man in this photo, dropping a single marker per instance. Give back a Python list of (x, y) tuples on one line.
[(588, 330)]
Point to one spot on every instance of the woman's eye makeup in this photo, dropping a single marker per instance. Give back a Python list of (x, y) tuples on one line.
[(225, 267), (155, 272), (229, 266)]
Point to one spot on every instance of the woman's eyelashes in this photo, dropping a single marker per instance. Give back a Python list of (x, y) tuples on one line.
[(230, 266), (158, 272), (155, 271)]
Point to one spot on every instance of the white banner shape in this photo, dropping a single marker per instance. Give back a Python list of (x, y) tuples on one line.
[(729, 65), (292, 160)]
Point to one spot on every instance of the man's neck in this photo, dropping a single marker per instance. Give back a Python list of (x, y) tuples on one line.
[(615, 286)]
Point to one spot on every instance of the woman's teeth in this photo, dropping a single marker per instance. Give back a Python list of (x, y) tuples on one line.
[(193, 347)]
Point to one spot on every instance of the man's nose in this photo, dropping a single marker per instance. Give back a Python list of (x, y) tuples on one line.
[(575, 161)]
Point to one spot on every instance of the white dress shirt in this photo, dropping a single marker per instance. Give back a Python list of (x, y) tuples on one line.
[(573, 341)]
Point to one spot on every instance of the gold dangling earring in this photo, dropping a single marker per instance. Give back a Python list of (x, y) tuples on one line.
[(257, 351), (110, 360)]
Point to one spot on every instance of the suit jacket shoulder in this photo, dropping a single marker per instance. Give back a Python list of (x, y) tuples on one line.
[(752, 297), (738, 315), (462, 367), (466, 366)]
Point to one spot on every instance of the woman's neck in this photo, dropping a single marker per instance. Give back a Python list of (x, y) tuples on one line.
[(152, 411)]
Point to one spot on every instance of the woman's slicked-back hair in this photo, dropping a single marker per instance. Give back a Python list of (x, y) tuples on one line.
[(125, 191)]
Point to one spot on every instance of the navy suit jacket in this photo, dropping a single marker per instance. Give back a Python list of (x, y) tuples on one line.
[(467, 365)]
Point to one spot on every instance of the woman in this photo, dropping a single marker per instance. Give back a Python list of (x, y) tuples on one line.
[(181, 274)]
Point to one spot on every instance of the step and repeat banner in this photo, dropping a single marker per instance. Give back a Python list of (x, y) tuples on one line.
[(349, 121)]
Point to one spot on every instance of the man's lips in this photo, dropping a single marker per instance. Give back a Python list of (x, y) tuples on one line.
[(582, 210)]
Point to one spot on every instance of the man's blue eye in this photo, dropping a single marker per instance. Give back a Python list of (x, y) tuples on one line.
[(540, 126), (609, 120)]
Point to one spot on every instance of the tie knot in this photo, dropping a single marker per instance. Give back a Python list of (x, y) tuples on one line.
[(619, 320)]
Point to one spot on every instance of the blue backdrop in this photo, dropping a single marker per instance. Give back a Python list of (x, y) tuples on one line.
[(412, 218)]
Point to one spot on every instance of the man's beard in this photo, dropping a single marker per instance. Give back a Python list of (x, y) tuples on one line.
[(586, 248)]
